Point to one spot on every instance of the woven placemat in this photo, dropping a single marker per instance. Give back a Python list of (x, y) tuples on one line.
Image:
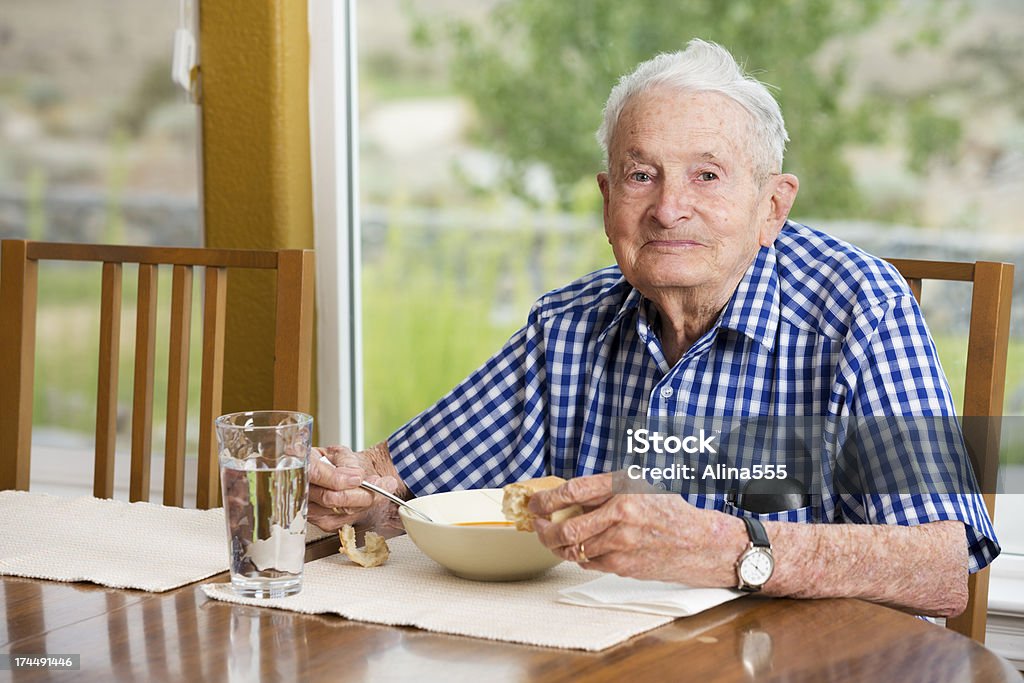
[(412, 590), (109, 542)]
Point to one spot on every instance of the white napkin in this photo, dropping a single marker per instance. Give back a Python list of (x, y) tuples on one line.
[(650, 597)]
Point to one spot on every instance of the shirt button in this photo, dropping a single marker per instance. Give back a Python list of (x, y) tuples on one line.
[(666, 392)]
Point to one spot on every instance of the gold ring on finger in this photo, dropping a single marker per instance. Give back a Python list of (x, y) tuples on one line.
[(582, 554)]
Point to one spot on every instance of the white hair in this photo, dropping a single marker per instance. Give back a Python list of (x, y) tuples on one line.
[(705, 67)]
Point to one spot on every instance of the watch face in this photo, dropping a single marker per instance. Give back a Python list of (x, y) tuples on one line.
[(756, 567)]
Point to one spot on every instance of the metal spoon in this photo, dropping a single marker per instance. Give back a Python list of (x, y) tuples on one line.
[(393, 498)]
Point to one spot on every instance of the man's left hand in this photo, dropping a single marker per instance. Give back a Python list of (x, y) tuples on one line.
[(644, 536)]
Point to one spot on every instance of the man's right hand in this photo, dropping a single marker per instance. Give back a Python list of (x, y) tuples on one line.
[(335, 498)]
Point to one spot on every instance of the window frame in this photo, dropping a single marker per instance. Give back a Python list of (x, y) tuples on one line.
[(334, 154)]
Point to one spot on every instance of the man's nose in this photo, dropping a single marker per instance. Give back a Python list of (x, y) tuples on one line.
[(674, 203)]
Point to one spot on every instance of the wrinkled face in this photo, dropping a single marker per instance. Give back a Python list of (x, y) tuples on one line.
[(682, 206)]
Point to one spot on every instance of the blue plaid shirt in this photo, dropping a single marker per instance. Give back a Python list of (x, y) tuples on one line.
[(816, 327)]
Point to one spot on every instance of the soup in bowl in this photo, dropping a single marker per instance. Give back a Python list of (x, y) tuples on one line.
[(470, 537)]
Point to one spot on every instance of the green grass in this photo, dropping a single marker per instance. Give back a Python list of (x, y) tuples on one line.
[(405, 89), (953, 356), (436, 306)]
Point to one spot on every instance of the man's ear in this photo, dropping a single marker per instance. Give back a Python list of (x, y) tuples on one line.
[(602, 182), (783, 189)]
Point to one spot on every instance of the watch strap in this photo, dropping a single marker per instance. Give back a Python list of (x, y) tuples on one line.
[(758, 536), (759, 544)]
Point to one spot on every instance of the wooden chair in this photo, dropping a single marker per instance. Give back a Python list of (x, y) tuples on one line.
[(987, 343), (292, 355)]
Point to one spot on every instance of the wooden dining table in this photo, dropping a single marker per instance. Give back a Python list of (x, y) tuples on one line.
[(180, 635)]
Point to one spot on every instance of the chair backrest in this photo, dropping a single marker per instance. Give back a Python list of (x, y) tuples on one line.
[(987, 342), (292, 354)]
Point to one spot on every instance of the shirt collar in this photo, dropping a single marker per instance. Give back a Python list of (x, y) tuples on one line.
[(629, 305), (753, 309)]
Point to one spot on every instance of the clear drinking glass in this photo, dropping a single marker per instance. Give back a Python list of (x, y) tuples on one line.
[(264, 461)]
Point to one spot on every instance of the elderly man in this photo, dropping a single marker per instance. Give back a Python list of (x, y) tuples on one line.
[(719, 306)]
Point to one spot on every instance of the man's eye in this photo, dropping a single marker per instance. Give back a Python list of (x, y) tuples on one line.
[(640, 177), (708, 176)]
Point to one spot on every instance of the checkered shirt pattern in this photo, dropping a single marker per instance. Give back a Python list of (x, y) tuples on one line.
[(816, 327)]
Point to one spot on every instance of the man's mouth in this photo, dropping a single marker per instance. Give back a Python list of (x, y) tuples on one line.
[(674, 244)]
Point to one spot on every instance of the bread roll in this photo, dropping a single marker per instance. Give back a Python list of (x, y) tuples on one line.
[(373, 554), (517, 497)]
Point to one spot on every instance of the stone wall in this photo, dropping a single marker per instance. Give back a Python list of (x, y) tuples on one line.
[(84, 215)]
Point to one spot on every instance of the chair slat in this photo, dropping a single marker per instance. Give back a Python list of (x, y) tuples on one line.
[(915, 287), (985, 385), (214, 314), (142, 397), (915, 269), (293, 341), (115, 253), (987, 348), (18, 289), (177, 386), (106, 384)]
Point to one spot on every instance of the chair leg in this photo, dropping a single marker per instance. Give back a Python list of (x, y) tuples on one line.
[(18, 289)]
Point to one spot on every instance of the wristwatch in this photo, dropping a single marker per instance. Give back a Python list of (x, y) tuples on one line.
[(757, 563)]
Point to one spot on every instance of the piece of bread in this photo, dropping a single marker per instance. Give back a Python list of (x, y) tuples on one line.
[(516, 498), (373, 554)]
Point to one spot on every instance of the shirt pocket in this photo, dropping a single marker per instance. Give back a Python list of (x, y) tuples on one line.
[(804, 515)]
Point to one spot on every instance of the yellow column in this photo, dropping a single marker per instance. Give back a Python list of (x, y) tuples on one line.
[(254, 61)]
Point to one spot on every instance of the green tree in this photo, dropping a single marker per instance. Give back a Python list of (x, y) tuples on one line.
[(539, 71)]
